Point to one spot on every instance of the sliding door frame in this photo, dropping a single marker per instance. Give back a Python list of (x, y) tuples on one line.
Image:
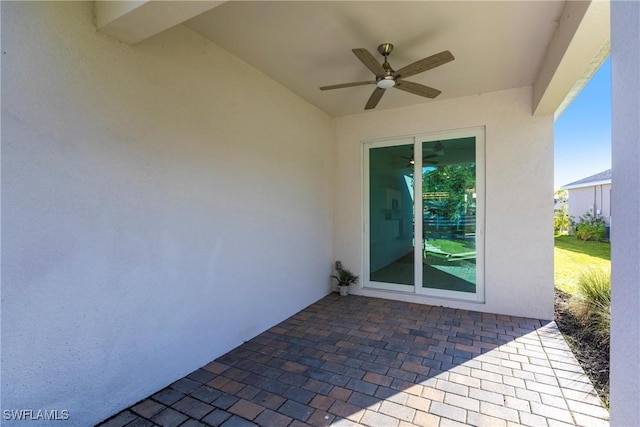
[(416, 141)]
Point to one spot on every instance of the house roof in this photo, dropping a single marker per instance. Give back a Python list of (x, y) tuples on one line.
[(597, 179), (553, 46)]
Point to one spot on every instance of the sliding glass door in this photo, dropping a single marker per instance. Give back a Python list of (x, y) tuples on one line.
[(439, 179), (391, 215), (449, 214)]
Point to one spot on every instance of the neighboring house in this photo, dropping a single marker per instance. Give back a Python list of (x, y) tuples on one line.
[(559, 204), (174, 182), (591, 194)]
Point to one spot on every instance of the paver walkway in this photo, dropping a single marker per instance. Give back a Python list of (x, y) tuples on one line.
[(354, 360)]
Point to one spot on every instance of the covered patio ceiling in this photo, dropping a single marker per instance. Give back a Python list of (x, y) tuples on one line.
[(553, 46)]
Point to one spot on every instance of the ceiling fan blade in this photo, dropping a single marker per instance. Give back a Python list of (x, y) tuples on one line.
[(347, 85), (425, 64), (417, 89), (374, 98), (437, 149), (369, 61)]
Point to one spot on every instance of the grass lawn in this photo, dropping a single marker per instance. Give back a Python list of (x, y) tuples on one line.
[(453, 246), (572, 256)]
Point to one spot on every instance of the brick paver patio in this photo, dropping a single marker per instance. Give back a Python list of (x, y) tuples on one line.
[(347, 361)]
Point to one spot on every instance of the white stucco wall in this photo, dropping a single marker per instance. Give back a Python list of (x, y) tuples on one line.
[(519, 185), (160, 204), (625, 250)]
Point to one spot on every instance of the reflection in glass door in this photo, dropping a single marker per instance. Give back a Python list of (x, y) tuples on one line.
[(391, 207), (441, 253), (449, 214)]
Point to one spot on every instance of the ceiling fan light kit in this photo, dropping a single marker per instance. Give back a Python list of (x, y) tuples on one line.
[(386, 83), (387, 77)]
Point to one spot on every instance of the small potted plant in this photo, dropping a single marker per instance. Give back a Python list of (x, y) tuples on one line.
[(344, 278)]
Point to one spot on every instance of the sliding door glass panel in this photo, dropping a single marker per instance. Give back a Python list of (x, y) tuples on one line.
[(449, 214), (391, 217)]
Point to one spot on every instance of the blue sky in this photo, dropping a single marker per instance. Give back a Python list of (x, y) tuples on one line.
[(583, 131)]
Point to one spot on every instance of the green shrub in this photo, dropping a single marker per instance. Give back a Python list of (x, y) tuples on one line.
[(345, 277), (591, 304), (589, 227)]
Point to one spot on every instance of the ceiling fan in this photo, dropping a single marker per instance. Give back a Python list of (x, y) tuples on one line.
[(387, 77), (425, 159)]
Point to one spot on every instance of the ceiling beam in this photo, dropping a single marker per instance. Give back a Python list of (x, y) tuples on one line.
[(133, 21), (579, 46)]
